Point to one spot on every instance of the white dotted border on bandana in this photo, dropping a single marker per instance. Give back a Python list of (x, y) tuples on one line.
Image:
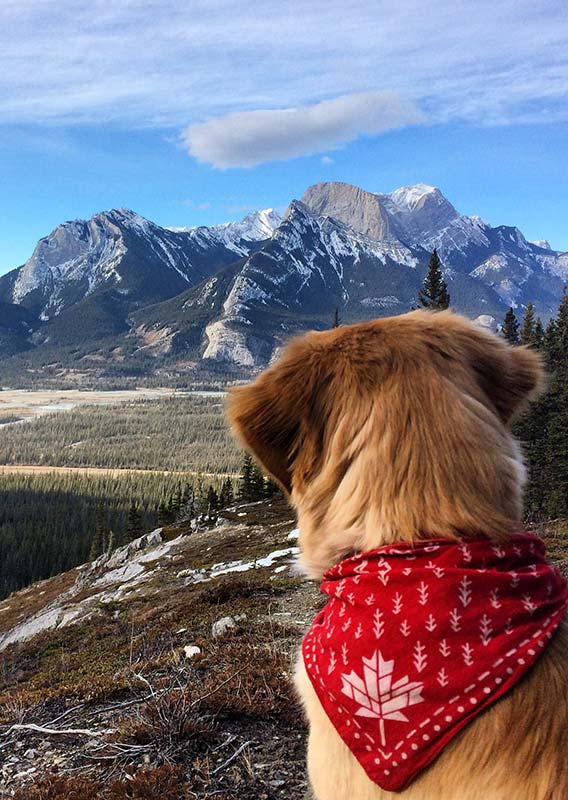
[(457, 700)]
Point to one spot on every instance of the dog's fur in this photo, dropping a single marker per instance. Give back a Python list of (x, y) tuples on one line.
[(397, 430)]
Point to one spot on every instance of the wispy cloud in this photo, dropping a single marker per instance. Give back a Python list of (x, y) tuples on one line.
[(169, 64), (248, 138), (199, 205)]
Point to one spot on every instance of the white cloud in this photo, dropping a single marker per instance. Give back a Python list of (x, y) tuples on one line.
[(169, 64), (248, 138), (327, 160)]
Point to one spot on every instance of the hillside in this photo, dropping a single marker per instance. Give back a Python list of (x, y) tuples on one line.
[(167, 665), (119, 299), (165, 668)]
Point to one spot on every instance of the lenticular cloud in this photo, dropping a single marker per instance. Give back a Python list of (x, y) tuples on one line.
[(248, 138)]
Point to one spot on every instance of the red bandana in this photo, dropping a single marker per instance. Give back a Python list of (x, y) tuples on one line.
[(416, 640)]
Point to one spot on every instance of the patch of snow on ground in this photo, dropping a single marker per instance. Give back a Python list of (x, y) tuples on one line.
[(240, 566)]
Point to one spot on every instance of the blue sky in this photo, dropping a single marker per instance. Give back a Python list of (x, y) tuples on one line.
[(196, 112)]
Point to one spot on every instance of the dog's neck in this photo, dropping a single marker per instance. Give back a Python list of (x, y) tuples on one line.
[(355, 518)]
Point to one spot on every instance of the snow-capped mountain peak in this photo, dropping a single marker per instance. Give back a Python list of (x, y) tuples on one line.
[(544, 244), (409, 197), (235, 291)]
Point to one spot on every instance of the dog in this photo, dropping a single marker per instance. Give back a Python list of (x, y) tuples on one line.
[(396, 431)]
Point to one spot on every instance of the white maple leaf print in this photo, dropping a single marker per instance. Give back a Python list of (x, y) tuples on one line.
[(378, 697)]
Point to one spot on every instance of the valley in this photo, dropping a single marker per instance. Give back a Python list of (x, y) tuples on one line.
[(91, 470), (28, 404)]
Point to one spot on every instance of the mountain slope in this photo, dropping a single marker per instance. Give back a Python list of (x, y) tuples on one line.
[(177, 648), (122, 250), (121, 290)]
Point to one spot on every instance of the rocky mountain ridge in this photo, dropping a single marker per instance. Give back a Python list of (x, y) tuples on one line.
[(121, 289)]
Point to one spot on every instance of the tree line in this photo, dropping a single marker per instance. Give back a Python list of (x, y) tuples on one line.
[(51, 523), (543, 428), (183, 433)]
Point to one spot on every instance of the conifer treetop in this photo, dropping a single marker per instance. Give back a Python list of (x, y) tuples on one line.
[(434, 293)]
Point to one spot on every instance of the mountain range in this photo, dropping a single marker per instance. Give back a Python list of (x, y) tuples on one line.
[(118, 295)]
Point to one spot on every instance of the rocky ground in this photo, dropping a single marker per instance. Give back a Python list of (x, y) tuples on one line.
[(162, 671)]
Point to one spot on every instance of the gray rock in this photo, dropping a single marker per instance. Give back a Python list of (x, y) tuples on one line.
[(221, 626)]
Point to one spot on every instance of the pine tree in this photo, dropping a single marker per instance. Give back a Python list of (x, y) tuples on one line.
[(212, 501), (528, 328), (177, 503), (187, 502), (96, 546), (510, 329), (163, 513), (258, 481), (538, 337), (110, 542), (97, 543), (336, 318), (543, 429), (226, 495), (270, 488), (245, 483), (134, 523), (557, 443), (434, 292)]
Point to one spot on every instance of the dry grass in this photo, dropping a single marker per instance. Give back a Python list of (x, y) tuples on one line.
[(223, 724), (162, 783)]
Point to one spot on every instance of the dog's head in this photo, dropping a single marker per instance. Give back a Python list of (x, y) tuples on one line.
[(391, 429)]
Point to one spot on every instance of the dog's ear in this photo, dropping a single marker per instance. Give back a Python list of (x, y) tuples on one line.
[(509, 376), (278, 414)]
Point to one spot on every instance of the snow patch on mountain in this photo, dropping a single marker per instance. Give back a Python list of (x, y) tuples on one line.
[(73, 252), (409, 197), (237, 236)]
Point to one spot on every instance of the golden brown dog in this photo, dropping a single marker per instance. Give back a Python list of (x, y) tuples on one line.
[(394, 430)]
